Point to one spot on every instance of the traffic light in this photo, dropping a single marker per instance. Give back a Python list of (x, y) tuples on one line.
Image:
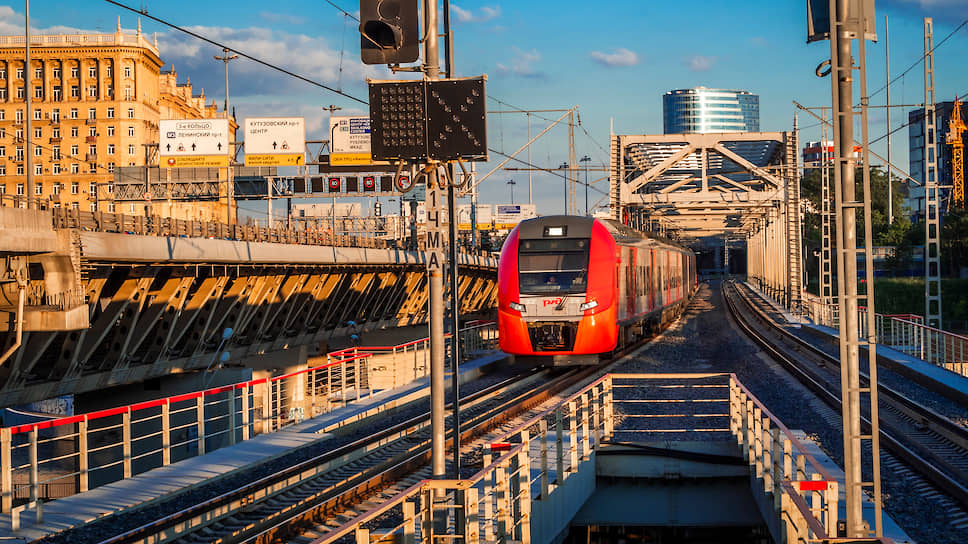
[(334, 185), (369, 183), (377, 209), (389, 31)]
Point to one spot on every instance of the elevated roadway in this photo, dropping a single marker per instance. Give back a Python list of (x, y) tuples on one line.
[(156, 297)]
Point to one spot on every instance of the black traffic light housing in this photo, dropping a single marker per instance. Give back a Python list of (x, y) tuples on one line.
[(389, 31)]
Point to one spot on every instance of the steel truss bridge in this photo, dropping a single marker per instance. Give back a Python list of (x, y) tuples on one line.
[(735, 186), (108, 308)]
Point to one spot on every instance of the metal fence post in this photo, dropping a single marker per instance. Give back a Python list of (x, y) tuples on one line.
[(166, 433), (559, 447), (543, 430), (246, 391), (34, 469), (82, 455), (126, 439), (200, 417), (609, 408), (471, 517), (572, 422), (409, 522), (232, 418), (6, 470)]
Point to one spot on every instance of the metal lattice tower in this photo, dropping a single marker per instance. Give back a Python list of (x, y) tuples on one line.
[(792, 212), (955, 128), (844, 27), (826, 219), (932, 191)]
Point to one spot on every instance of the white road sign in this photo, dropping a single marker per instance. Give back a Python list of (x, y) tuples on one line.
[(275, 141), (350, 141), (194, 142)]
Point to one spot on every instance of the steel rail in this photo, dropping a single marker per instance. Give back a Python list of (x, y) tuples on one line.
[(928, 464)]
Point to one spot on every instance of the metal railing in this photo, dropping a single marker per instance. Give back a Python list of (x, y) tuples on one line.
[(906, 333), (59, 457), (527, 465)]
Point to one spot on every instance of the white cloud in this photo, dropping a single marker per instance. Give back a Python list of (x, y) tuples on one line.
[(619, 57), (486, 13), (700, 63), (308, 56), (522, 64)]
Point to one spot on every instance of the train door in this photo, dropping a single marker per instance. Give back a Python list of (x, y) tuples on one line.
[(630, 282)]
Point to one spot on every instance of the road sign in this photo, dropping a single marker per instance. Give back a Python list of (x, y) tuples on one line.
[(350, 141), (190, 143), (275, 141)]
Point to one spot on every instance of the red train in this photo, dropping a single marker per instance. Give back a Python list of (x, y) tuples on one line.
[(570, 288)]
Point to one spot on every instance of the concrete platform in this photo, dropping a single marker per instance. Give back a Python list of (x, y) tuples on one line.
[(154, 485)]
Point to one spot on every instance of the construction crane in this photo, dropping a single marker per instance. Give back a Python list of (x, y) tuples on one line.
[(955, 128)]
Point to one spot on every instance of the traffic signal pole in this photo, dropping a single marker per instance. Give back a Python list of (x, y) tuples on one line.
[(431, 69)]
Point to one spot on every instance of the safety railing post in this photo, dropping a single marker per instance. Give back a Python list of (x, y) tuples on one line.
[(471, 523), (746, 430), (200, 419), (246, 391), (584, 407), (833, 508), (609, 408), (427, 515), (572, 423), (409, 522), (126, 439), (489, 491), (6, 470), (758, 443), (778, 466), (502, 502), (232, 416), (767, 456), (83, 467), (596, 400), (34, 469), (543, 431), (523, 471), (166, 433)]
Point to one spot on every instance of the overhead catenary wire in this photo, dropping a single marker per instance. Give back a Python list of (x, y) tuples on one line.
[(236, 51)]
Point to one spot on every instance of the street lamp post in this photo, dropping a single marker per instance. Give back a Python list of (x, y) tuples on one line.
[(511, 183), (229, 189), (586, 159)]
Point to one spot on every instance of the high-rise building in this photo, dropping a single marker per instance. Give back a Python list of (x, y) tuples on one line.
[(96, 102), (915, 200), (702, 110)]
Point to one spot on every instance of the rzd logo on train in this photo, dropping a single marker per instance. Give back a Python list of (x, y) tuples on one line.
[(552, 301)]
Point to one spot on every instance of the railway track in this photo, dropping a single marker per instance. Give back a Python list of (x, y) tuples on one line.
[(306, 500), (917, 442)]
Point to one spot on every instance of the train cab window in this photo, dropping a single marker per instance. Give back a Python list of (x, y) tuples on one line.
[(558, 266)]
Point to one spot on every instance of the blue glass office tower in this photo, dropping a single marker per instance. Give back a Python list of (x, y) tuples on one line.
[(702, 110)]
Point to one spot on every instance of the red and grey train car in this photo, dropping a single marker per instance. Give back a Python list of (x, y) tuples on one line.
[(571, 288)]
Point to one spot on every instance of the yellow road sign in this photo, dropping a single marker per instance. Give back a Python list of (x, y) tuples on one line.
[(195, 161), (274, 159)]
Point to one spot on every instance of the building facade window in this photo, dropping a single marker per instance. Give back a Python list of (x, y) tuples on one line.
[(73, 113), (111, 130), (75, 168), (110, 207), (38, 151), (20, 93), (131, 131), (73, 132), (58, 95), (55, 115), (55, 168), (92, 168), (110, 113), (75, 187), (75, 205), (110, 149), (20, 134), (111, 167), (130, 113), (94, 205), (19, 116), (92, 91), (109, 71), (75, 72), (127, 93), (109, 92), (55, 132), (3, 151), (92, 71), (19, 153), (56, 72), (20, 169), (3, 73), (38, 92), (38, 115), (56, 190), (74, 149), (127, 71), (92, 149), (3, 172), (55, 153), (3, 93), (38, 188), (131, 149), (38, 73), (20, 73), (38, 132), (92, 113), (38, 169), (92, 131), (75, 91), (20, 189)]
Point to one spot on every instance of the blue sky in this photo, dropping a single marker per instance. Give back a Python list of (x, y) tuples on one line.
[(613, 59)]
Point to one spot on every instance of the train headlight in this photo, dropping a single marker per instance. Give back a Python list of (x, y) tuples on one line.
[(516, 306), (588, 305)]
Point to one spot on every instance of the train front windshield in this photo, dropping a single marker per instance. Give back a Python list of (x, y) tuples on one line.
[(553, 266)]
